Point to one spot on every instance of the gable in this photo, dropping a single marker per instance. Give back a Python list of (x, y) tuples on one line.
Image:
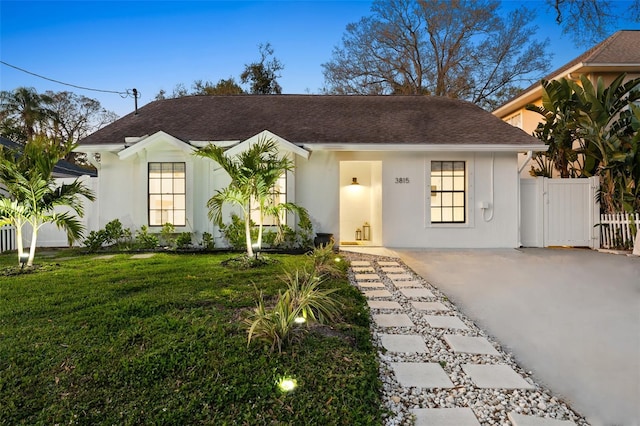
[(282, 144), (155, 141)]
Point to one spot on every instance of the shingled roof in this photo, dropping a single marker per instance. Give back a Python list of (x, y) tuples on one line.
[(309, 119), (619, 52), (62, 168)]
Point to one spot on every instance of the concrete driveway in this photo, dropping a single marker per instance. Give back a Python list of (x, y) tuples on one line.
[(570, 316)]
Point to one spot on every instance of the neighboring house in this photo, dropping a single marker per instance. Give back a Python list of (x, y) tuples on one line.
[(63, 169), (431, 171), (618, 54)]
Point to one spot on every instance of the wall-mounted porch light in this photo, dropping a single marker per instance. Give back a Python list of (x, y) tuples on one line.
[(354, 181)]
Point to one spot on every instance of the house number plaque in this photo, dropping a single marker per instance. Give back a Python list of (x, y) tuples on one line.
[(402, 180)]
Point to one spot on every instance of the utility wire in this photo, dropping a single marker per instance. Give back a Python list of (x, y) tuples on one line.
[(124, 94)]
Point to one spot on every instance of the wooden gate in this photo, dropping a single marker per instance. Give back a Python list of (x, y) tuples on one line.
[(559, 212)]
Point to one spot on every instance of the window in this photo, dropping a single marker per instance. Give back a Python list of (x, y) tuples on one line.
[(279, 194), (515, 120), (448, 198), (167, 188)]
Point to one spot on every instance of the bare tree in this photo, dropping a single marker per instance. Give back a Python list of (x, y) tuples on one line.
[(73, 117), (591, 21), (461, 49)]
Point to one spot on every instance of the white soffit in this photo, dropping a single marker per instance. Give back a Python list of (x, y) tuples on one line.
[(283, 144), (158, 137), (424, 147)]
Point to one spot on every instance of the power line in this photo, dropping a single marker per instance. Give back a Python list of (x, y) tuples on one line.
[(124, 94)]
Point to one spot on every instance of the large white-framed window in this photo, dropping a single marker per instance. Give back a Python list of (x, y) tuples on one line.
[(278, 196), (167, 193), (448, 192)]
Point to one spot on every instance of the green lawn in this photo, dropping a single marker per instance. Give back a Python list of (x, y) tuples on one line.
[(160, 341)]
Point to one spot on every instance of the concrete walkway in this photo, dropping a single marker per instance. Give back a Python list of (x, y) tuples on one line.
[(572, 317)]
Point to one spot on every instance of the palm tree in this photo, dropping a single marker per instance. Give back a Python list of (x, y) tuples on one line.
[(25, 106), (253, 173), (35, 195)]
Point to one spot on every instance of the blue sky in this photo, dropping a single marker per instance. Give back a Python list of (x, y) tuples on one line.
[(152, 45)]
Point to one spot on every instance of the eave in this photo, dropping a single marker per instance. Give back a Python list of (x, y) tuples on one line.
[(425, 147)]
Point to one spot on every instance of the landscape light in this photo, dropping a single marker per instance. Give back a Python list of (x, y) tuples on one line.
[(287, 384), (300, 320)]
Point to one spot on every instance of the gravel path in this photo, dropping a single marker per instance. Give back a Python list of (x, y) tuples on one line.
[(409, 404)]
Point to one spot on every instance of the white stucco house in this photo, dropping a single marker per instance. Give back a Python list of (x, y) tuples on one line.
[(431, 171)]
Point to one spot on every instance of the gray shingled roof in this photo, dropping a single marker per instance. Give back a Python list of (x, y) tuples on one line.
[(62, 168), (316, 119), (621, 49)]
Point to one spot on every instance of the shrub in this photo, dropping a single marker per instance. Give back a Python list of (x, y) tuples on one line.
[(95, 240), (167, 235), (145, 240), (208, 242), (183, 240), (234, 233)]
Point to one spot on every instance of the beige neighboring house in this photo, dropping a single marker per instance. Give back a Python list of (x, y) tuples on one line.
[(618, 54)]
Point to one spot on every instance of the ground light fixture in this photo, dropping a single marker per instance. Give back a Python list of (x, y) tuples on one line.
[(287, 384), (300, 320), (23, 259)]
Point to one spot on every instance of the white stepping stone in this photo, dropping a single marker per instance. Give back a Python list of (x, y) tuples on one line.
[(387, 263), (495, 377), (429, 306), (393, 270), (444, 417), (377, 293), (393, 320), (363, 270), (383, 304), (369, 284), (470, 345), (400, 277), (415, 293), (367, 277), (143, 256), (421, 374), (403, 343), (360, 263), (105, 257), (407, 284), (445, 321), (522, 420)]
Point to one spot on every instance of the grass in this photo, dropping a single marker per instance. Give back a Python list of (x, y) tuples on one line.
[(161, 341)]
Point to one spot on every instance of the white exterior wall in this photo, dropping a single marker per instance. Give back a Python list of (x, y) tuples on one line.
[(395, 201), (404, 213)]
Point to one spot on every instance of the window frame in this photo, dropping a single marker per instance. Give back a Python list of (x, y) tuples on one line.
[(173, 193), (453, 203)]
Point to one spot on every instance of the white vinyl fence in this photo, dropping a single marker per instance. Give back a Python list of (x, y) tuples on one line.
[(618, 230), (7, 238)]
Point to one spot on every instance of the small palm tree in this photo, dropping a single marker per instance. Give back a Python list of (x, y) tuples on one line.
[(34, 194), (254, 174)]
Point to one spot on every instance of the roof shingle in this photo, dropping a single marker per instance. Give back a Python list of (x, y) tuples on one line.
[(316, 119)]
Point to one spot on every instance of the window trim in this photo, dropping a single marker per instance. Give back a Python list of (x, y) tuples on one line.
[(184, 194), (253, 204), (465, 192)]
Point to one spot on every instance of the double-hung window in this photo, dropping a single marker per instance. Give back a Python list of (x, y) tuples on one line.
[(278, 195), (167, 194), (448, 197)]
